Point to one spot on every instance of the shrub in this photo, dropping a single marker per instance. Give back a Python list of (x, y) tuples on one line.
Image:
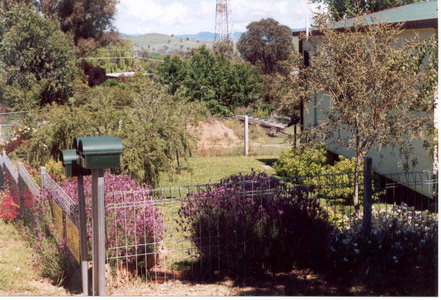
[(50, 252), (128, 222), (9, 210), (308, 164), (255, 223), (401, 251), (55, 170)]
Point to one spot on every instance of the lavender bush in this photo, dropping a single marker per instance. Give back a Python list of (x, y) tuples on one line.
[(133, 223), (255, 223)]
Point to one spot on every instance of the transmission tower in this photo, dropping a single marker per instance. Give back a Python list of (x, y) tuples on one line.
[(223, 21)]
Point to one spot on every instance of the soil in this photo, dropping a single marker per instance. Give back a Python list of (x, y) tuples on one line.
[(214, 134), (295, 283)]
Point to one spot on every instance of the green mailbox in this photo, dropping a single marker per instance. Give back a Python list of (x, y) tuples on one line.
[(70, 159), (99, 152)]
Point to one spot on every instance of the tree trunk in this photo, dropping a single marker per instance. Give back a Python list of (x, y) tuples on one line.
[(359, 161), (295, 136)]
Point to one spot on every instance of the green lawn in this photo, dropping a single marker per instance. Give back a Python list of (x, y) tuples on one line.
[(203, 170)]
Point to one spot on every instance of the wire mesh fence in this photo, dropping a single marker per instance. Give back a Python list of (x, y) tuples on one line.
[(200, 231), (203, 232)]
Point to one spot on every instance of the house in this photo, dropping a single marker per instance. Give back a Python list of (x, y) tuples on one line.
[(418, 18)]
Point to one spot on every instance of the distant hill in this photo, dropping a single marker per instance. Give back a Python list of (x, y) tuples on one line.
[(166, 44), (126, 36), (207, 36)]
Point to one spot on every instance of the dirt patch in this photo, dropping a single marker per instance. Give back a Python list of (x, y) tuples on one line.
[(213, 135), (295, 283)]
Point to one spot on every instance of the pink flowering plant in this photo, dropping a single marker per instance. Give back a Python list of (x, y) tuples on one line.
[(134, 226), (255, 223)]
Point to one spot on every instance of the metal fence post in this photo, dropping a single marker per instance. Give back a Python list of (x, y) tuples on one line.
[(98, 239), (2, 169), (83, 235), (246, 136), (19, 184), (367, 196), (42, 174)]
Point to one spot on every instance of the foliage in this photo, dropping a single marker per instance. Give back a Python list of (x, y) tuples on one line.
[(121, 53), (9, 210), (126, 224), (266, 43), (401, 251), (55, 170), (221, 83), (90, 22), (36, 59), (151, 123), (379, 88), (95, 75), (50, 250), (310, 166), (225, 48), (254, 230), (340, 9)]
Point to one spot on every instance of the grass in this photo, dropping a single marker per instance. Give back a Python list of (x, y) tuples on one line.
[(203, 170), (18, 276)]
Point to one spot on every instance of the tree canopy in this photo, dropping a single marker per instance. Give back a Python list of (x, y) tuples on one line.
[(214, 79), (89, 21), (265, 44), (36, 58)]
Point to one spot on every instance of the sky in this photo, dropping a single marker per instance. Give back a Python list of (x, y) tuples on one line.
[(193, 16)]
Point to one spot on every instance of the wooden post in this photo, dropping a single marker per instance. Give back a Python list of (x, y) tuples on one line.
[(246, 136), (367, 196), (83, 235), (99, 238)]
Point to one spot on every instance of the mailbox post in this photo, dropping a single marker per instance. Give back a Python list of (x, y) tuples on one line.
[(70, 158), (94, 154)]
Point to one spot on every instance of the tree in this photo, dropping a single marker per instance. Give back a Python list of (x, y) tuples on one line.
[(89, 21), (265, 44), (380, 89), (221, 83), (340, 9), (225, 47), (85, 19), (152, 124), (36, 57)]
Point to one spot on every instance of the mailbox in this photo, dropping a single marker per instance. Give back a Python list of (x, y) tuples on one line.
[(99, 152), (70, 159)]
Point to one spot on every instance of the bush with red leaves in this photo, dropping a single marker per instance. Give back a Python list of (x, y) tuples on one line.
[(9, 210)]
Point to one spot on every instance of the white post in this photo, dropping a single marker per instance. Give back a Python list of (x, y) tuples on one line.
[(246, 136), (42, 174), (99, 239)]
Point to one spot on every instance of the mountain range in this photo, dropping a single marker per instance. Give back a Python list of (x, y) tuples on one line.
[(201, 36)]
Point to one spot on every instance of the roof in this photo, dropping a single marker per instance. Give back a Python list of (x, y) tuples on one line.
[(422, 14), (420, 11), (127, 74)]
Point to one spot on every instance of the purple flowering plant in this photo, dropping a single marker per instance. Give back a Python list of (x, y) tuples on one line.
[(254, 223), (134, 226)]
